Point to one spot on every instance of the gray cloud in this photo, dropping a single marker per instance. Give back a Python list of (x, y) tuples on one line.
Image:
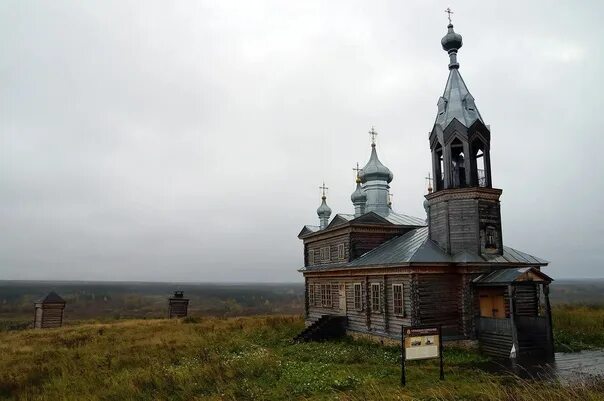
[(157, 141)]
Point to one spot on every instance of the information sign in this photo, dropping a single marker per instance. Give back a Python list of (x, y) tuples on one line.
[(421, 342)]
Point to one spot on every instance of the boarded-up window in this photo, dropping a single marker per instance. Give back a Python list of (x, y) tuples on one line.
[(341, 251), (311, 257), (326, 295), (376, 297), (397, 299), (358, 297), (311, 295)]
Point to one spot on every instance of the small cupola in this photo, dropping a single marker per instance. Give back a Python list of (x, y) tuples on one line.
[(375, 178), (358, 197), (324, 211)]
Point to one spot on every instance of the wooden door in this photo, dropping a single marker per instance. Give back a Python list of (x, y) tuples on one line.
[(492, 303), (342, 294)]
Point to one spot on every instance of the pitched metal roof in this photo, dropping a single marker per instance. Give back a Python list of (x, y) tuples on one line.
[(52, 298), (403, 219), (506, 276), (403, 249), (415, 247)]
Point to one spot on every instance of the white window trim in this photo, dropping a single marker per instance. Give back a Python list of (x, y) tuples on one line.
[(402, 306), (311, 294), (376, 306), (326, 301)]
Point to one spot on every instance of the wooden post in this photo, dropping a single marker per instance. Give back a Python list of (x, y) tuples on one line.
[(403, 356), (385, 300), (513, 323), (548, 321), (367, 306), (306, 295), (440, 351)]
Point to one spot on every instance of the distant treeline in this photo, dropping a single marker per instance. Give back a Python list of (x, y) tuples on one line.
[(121, 300), (106, 300)]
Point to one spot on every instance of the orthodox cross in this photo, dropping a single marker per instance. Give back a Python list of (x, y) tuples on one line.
[(448, 11), (373, 134), (323, 188), (357, 169), (429, 180)]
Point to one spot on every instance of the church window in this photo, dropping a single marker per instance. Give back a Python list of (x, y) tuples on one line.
[(325, 254), (375, 297), (358, 300), (397, 299), (326, 295), (311, 295), (341, 251), (311, 257), (491, 238)]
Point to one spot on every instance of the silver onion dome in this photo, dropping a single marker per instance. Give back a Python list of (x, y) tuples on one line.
[(324, 210), (452, 40), (374, 170), (358, 196)]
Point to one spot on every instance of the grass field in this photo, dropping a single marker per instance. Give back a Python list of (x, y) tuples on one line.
[(248, 358), (578, 327)]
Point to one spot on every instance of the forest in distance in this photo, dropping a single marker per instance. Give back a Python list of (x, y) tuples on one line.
[(126, 300)]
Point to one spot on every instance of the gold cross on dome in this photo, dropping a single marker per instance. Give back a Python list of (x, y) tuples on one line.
[(448, 11), (373, 134), (357, 169), (323, 188)]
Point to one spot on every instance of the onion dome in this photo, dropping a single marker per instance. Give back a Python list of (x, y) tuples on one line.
[(324, 210), (451, 43), (358, 196), (374, 170), (452, 40)]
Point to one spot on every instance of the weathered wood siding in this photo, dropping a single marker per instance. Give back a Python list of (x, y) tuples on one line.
[(363, 242), (48, 315), (495, 336), (439, 224), (332, 243), (526, 300), (438, 302), (364, 320), (178, 307)]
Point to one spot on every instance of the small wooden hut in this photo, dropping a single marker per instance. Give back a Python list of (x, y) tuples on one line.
[(48, 311), (178, 305)]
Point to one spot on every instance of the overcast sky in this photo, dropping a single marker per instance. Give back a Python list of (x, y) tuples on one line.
[(187, 140)]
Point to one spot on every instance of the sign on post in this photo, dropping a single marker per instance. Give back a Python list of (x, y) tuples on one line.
[(420, 342)]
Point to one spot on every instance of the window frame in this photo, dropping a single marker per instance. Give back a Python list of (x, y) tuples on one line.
[(326, 253), (326, 299), (395, 308), (376, 298), (311, 294), (311, 256), (357, 305), (341, 252)]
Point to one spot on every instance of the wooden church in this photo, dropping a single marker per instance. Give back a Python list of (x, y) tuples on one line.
[(377, 270)]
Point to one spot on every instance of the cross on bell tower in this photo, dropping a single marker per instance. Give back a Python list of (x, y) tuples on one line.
[(449, 12)]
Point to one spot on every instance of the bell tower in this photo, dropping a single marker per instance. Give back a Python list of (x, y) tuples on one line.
[(464, 210)]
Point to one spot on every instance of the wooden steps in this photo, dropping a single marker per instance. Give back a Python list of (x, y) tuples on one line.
[(325, 328)]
